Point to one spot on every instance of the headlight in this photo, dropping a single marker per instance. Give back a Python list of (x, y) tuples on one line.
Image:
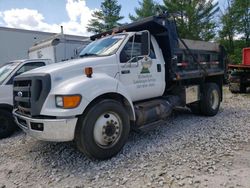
[(68, 101)]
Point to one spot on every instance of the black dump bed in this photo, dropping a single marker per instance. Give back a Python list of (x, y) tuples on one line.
[(185, 59)]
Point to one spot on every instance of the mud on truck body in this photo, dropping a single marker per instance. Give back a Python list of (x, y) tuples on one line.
[(129, 78)]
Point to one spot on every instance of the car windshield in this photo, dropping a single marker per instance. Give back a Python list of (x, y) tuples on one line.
[(103, 46), (6, 69)]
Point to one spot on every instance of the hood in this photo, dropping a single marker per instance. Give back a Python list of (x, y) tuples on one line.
[(60, 72), (72, 64)]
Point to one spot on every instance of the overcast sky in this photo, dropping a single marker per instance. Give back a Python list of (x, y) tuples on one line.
[(48, 15)]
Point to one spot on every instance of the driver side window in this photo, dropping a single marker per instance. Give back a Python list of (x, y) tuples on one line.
[(130, 51)]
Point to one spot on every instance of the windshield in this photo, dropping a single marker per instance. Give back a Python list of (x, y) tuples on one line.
[(103, 46), (6, 69)]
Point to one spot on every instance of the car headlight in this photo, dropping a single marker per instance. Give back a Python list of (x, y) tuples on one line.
[(68, 101)]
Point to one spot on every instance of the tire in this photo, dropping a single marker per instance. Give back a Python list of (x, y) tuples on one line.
[(211, 98), (103, 130), (7, 124), (195, 108)]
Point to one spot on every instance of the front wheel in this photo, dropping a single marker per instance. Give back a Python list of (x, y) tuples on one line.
[(7, 125), (103, 130)]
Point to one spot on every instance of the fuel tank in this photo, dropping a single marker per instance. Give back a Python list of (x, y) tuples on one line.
[(158, 109)]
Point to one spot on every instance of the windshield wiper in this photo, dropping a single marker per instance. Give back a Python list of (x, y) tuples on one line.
[(88, 54)]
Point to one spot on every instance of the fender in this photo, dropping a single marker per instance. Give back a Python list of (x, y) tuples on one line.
[(89, 88), (7, 107), (122, 91)]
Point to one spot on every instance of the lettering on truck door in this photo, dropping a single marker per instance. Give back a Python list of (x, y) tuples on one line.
[(141, 75)]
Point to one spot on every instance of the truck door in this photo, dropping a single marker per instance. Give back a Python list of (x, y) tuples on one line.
[(141, 75)]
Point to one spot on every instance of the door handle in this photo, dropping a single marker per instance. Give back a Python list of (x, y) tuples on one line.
[(158, 67), (125, 71)]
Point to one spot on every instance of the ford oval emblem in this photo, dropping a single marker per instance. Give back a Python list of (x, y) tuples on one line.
[(20, 94)]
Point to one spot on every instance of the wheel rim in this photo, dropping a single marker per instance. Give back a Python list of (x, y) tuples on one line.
[(3, 123), (107, 129), (214, 99)]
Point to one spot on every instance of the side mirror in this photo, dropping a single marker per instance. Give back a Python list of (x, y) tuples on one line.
[(145, 43)]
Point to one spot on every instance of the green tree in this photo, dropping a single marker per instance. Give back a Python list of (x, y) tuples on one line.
[(147, 8), (241, 12), (228, 30), (106, 18), (235, 28), (194, 18)]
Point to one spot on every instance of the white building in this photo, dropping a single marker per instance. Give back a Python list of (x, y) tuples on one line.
[(14, 43)]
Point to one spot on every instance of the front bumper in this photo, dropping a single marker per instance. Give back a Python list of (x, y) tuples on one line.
[(58, 130)]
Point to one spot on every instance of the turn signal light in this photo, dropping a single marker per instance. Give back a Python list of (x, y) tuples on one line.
[(89, 72), (68, 101)]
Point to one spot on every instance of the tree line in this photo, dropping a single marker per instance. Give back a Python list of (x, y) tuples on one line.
[(195, 19)]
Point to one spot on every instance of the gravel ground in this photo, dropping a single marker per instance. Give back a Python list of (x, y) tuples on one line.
[(185, 151)]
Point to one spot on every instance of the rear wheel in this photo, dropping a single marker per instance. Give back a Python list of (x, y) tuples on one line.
[(211, 97), (103, 130), (7, 124), (210, 101)]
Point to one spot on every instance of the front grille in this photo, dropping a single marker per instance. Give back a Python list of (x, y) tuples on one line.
[(30, 92), (22, 96)]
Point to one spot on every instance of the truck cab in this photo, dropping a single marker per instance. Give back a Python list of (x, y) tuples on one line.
[(7, 73), (129, 78), (141, 68)]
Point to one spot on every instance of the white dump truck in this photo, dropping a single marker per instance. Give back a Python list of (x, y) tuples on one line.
[(7, 73), (129, 78)]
